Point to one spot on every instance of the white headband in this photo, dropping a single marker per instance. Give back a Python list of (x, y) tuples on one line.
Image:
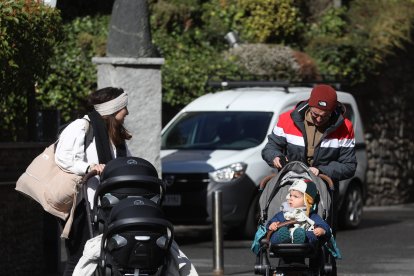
[(112, 106)]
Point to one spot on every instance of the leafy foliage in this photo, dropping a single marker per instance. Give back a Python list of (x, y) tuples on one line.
[(193, 45), (271, 21), (384, 24), (257, 21), (266, 61), (28, 32), (351, 44), (73, 75), (189, 62), (347, 43), (192, 54)]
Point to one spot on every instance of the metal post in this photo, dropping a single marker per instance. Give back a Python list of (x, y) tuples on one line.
[(218, 267)]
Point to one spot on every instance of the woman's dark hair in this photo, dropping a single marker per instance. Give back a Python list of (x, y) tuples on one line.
[(103, 95), (116, 131)]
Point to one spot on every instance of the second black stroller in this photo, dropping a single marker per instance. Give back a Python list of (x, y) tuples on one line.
[(316, 260), (136, 236), (137, 239)]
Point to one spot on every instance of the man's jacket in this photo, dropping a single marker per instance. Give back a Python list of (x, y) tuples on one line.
[(334, 155)]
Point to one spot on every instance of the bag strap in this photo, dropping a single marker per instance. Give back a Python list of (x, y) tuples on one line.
[(68, 225), (88, 135), (69, 221)]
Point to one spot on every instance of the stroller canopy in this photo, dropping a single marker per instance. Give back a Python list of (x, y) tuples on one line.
[(130, 176)]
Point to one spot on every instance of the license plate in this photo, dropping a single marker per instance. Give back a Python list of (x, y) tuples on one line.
[(172, 200)]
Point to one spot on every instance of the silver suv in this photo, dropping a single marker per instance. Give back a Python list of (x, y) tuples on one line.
[(215, 143)]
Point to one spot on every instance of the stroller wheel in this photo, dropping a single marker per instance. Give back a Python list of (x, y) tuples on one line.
[(108, 271), (327, 269)]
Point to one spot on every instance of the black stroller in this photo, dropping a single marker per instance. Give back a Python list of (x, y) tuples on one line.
[(136, 236), (314, 260)]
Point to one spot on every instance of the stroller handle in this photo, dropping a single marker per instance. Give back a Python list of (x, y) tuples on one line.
[(327, 180), (264, 181), (85, 179), (270, 232), (90, 174), (324, 177)]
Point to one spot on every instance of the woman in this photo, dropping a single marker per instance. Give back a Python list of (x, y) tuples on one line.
[(88, 144)]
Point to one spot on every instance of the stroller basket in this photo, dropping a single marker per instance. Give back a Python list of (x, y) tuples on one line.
[(289, 250)]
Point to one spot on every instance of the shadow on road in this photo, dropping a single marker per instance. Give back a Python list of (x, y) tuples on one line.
[(372, 222), (192, 234)]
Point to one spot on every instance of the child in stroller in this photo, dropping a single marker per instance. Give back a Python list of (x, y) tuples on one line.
[(298, 250), (299, 208)]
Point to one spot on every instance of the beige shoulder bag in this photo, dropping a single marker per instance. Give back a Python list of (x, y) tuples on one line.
[(53, 188)]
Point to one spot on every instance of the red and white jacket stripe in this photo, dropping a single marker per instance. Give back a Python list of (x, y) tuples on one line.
[(333, 156)]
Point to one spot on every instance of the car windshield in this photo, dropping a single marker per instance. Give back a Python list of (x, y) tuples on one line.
[(217, 130)]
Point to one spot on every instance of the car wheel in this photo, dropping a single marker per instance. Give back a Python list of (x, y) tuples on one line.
[(250, 225), (351, 212)]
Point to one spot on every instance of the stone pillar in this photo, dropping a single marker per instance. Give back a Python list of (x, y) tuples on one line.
[(129, 30), (132, 63), (141, 79)]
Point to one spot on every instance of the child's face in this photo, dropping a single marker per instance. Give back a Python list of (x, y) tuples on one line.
[(296, 199)]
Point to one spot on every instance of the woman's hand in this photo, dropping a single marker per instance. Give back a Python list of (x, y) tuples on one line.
[(97, 167)]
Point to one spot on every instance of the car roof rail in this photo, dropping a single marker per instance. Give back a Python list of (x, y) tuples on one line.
[(240, 84), (282, 84)]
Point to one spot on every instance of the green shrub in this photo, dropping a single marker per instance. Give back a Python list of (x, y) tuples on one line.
[(383, 24), (189, 62), (271, 21), (73, 75), (267, 61), (190, 36), (220, 17), (28, 32), (256, 21), (352, 44)]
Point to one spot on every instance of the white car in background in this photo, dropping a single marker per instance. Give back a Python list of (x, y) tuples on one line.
[(215, 143)]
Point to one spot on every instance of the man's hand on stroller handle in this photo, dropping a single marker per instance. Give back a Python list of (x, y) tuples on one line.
[(314, 170), (280, 162)]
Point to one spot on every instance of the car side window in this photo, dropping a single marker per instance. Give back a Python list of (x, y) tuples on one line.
[(217, 130)]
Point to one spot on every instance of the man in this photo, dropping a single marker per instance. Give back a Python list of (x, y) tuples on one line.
[(316, 133)]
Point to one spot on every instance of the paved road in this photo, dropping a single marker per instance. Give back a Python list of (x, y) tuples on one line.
[(383, 245)]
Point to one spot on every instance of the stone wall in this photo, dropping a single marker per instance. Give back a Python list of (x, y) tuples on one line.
[(385, 102)]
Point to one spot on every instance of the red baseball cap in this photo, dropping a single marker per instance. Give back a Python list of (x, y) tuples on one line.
[(323, 97)]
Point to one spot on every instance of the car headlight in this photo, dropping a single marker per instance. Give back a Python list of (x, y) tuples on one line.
[(229, 173)]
